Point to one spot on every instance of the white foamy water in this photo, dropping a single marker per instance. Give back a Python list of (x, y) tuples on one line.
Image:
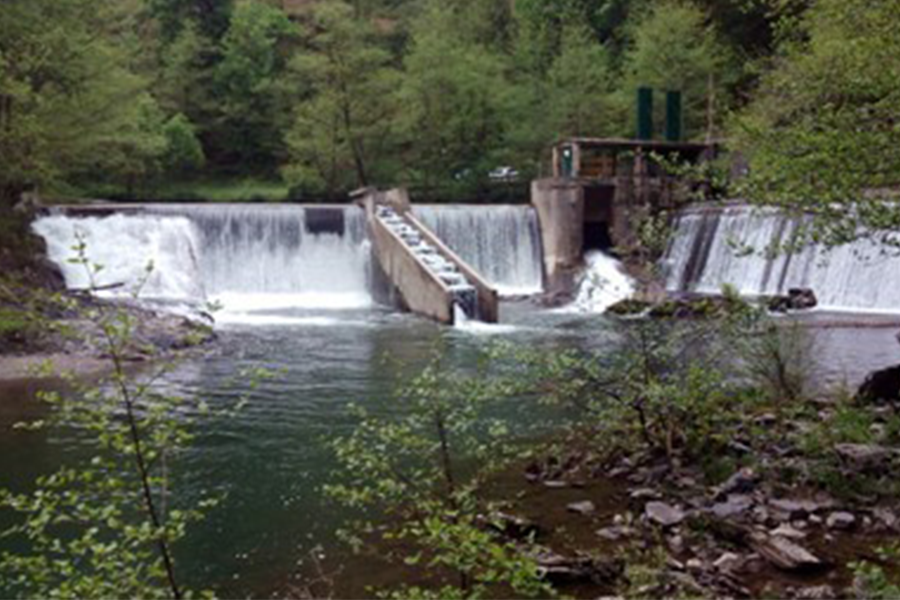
[(125, 246), (704, 255), (604, 284), (248, 259)]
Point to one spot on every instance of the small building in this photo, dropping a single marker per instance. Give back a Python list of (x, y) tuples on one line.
[(599, 189)]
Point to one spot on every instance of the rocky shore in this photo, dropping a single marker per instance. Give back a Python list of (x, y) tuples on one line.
[(780, 514)]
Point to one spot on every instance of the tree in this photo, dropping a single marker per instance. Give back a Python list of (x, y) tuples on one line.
[(821, 135), (251, 115), (342, 127), (422, 476), (455, 102), (69, 103), (183, 150), (173, 15), (581, 83), (185, 76), (104, 527), (674, 47)]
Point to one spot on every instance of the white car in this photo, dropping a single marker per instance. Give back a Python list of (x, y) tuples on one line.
[(503, 174)]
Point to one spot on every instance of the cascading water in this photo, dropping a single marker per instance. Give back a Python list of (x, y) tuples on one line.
[(155, 257), (248, 258), (502, 243), (711, 247), (605, 283)]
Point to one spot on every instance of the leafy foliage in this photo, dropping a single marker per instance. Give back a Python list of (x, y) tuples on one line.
[(106, 527), (340, 133), (422, 476), (821, 134)]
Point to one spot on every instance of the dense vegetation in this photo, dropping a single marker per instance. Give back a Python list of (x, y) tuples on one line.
[(164, 98)]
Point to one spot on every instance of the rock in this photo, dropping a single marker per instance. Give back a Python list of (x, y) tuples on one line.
[(735, 505), (819, 592), (796, 299), (664, 514), (792, 509), (644, 494), (739, 447), (741, 482), (694, 564), (840, 520), (616, 532), (881, 386), (585, 507), (729, 561), (885, 516), (555, 484), (784, 553), (802, 298), (560, 569), (766, 419), (512, 526), (676, 544), (863, 456), (788, 532)]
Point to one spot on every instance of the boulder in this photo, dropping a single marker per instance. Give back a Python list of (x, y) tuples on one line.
[(664, 514), (880, 386)]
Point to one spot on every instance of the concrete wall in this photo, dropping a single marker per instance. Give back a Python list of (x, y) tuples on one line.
[(421, 291), (559, 203)]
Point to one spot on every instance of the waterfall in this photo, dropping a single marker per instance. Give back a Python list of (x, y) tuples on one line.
[(154, 256), (502, 243), (247, 257), (712, 247)]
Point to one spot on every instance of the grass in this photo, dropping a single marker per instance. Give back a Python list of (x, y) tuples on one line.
[(226, 190), (212, 188)]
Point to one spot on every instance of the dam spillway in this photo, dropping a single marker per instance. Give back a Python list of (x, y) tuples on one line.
[(733, 245), (259, 257), (240, 255)]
